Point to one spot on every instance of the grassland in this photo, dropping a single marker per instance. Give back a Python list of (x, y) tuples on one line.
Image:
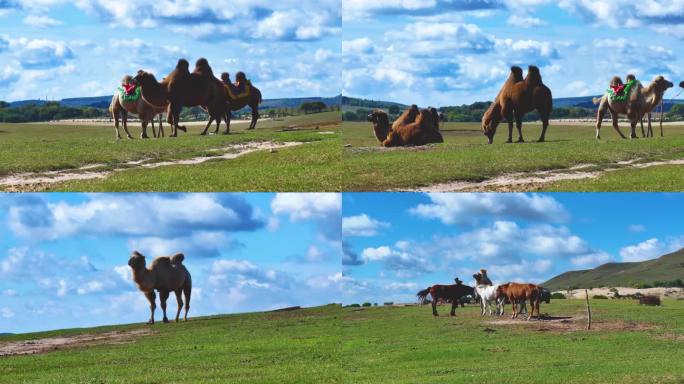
[(284, 347), (315, 165), (406, 345), (464, 156)]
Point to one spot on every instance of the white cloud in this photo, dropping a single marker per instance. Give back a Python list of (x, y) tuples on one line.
[(361, 225), (525, 21), (591, 260), (463, 208), (41, 53), (303, 206), (198, 244), (9, 292), (6, 313), (650, 249), (41, 21), (637, 228)]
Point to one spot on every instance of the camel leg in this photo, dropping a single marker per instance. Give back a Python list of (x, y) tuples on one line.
[(643, 133), (151, 297), (518, 126), (507, 113), (649, 132), (125, 123), (154, 131), (632, 134), (599, 118), (545, 125), (163, 296), (161, 127), (143, 134), (614, 116), (227, 120), (116, 124), (255, 117), (179, 300)]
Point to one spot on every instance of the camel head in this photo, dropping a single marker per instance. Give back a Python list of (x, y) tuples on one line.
[(516, 73), (202, 67), (490, 120), (183, 65), (142, 77), (137, 261), (661, 84), (380, 122)]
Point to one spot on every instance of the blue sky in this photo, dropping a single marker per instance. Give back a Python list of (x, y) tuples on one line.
[(63, 257), (452, 52), (59, 49), (398, 243)]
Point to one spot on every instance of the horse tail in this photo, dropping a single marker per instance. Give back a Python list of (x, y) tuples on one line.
[(422, 295)]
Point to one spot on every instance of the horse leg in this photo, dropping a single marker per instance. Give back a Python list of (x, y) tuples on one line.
[(633, 134), (454, 304), (614, 116), (518, 126), (434, 307), (125, 123), (151, 297), (163, 296), (179, 300)]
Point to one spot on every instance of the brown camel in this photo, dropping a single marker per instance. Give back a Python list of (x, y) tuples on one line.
[(237, 102), (120, 108), (517, 98), (180, 88), (490, 119), (166, 274), (627, 101), (653, 96), (412, 127)]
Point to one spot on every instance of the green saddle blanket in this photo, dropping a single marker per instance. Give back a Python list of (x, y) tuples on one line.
[(624, 94), (133, 96)]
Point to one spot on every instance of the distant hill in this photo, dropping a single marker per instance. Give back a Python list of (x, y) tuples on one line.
[(103, 102), (665, 268), (562, 102)]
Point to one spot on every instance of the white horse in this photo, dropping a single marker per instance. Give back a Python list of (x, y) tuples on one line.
[(488, 295)]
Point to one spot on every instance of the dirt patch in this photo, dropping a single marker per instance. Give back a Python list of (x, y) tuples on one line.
[(31, 347), (527, 181), (566, 324), (32, 180)]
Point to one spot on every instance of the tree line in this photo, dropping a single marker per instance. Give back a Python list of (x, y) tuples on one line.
[(51, 110)]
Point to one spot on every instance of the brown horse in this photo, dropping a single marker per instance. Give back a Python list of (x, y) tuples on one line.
[(453, 293), (413, 127), (516, 292), (517, 98)]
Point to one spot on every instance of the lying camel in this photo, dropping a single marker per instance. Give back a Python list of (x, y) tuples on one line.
[(166, 274), (517, 98), (413, 127), (653, 96), (621, 100), (120, 107)]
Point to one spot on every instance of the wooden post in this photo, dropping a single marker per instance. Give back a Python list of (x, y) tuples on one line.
[(588, 310)]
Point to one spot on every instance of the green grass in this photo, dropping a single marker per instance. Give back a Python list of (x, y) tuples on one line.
[(407, 345), (285, 347), (661, 178), (45, 147), (465, 156)]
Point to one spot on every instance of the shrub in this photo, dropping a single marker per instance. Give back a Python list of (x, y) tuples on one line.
[(557, 295), (366, 304), (600, 297), (388, 303), (354, 305)]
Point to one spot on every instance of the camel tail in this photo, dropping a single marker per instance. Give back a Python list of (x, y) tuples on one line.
[(422, 295)]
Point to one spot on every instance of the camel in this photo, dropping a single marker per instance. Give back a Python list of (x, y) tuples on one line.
[(165, 274), (515, 99), (180, 88), (412, 127), (653, 96), (119, 108), (237, 102), (621, 100)]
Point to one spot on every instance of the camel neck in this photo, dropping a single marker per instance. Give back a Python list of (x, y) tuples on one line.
[(140, 277), (154, 93)]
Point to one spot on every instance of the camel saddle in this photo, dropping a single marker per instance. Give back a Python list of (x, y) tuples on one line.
[(129, 93), (235, 92), (621, 92)]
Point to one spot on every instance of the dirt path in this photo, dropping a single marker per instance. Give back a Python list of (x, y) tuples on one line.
[(30, 347), (25, 181), (527, 181), (570, 324)]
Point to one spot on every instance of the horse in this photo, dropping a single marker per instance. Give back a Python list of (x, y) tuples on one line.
[(453, 293), (487, 293), (516, 292)]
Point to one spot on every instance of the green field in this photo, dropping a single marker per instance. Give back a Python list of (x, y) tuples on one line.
[(314, 165), (284, 347), (629, 344), (408, 345), (464, 156)]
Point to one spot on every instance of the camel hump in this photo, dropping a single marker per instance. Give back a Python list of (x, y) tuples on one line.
[(202, 67), (177, 258), (161, 261), (183, 65), (516, 73)]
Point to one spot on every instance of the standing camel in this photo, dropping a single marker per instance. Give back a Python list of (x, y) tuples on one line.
[(120, 107), (653, 96), (628, 101), (166, 274), (517, 98), (492, 116), (251, 97), (180, 88)]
